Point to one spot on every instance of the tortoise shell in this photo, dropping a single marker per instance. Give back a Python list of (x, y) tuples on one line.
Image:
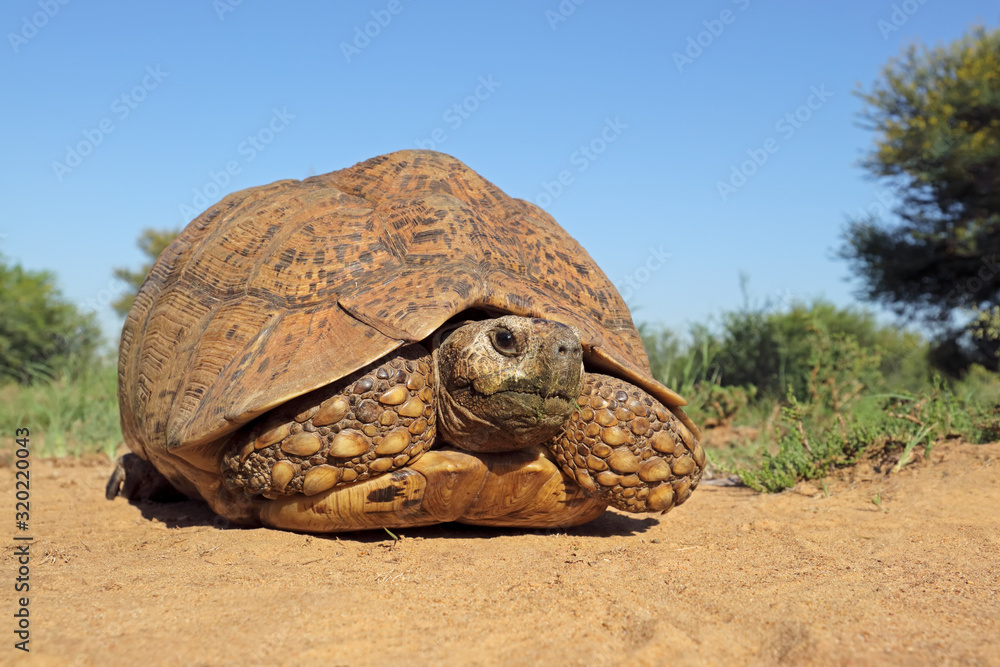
[(281, 289)]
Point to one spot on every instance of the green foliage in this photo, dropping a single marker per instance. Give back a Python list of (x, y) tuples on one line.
[(936, 114), (74, 413), (852, 389), (40, 332), (772, 350), (152, 242)]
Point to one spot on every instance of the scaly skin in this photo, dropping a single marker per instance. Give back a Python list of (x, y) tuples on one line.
[(374, 421)]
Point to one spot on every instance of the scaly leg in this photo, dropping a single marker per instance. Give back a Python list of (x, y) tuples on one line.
[(372, 422), (627, 449)]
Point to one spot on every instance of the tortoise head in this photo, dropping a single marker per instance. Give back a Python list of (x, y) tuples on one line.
[(506, 383)]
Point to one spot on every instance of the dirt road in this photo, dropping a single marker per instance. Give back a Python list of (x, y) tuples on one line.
[(731, 577)]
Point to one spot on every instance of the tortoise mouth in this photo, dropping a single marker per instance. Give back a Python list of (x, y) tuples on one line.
[(524, 418)]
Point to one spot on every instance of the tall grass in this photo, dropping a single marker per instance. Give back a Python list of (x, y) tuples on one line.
[(73, 414)]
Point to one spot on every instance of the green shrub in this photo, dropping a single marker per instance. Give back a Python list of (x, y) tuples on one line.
[(40, 332)]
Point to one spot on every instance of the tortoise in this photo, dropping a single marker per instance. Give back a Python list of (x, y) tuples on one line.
[(394, 344)]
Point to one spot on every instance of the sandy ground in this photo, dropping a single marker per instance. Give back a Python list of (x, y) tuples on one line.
[(731, 577)]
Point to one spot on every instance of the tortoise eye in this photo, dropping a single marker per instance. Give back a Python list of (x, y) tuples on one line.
[(504, 342)]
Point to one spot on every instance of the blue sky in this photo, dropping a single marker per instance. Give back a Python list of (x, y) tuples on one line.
[(621, 119)]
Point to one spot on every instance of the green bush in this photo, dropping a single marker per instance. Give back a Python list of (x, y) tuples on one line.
[(40, 332)]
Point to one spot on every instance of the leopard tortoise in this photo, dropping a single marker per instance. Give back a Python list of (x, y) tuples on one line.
[(395, 344)]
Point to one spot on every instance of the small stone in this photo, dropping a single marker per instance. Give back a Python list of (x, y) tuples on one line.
[(281, 474), (380, 465), (654, 470), (412, 408), (370, 430), (348, 444), (596, 464), (348, 475), (302, 444), (663, 443), (593, 428), (364, 385), (415, 382), (621, 396), (683, 466), (387, 418), (394, 442), (426, 395), (587, 414), (418, 426), (331, 411), (401, 460), (271, 436), (394, 396), (607, 478), (660, 498), (382, 373), (628, 493), (623, 460), (613, 436), (597, 402), (320, 479)]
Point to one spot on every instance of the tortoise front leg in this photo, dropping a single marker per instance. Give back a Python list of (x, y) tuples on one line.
[(375, 421), (626, 448)]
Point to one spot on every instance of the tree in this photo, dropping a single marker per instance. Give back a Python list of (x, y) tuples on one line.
[(936, 113), (41, 333), (152, 242)]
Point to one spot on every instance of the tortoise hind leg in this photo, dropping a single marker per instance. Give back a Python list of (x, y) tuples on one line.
[(136, 480), (623, 446)]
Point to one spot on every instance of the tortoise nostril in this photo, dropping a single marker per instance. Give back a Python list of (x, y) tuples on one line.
[(562, 350)]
